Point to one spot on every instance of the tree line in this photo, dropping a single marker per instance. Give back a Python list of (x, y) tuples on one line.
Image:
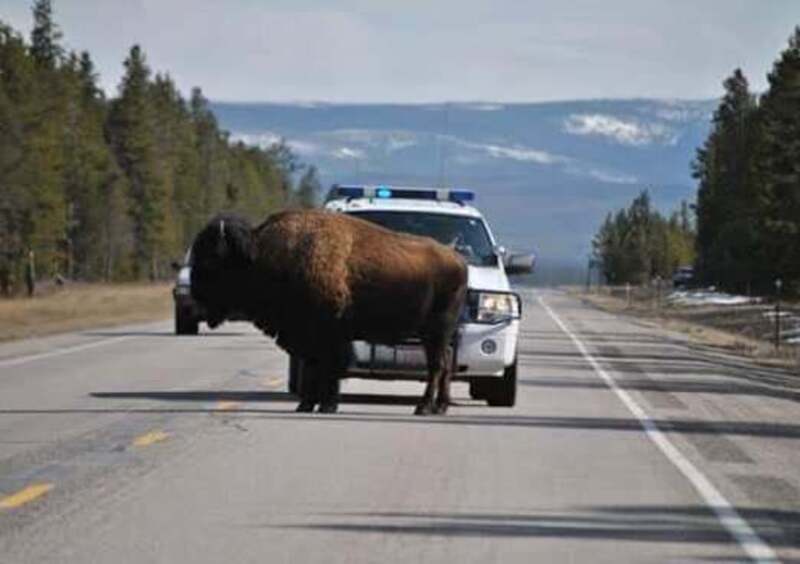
[(100, 188), (748, 170), (637, 244), (747, 209)]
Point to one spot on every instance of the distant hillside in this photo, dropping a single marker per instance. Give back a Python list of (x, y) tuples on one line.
[(546, 174)]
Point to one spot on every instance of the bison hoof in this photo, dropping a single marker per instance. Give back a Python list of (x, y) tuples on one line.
[(441, 408), (305, 407), (328, 407), (423, 409)]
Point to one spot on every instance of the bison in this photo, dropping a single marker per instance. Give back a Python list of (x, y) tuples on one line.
[(315, 281)]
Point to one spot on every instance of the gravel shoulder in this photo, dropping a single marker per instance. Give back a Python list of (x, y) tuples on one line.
[(731, 330)]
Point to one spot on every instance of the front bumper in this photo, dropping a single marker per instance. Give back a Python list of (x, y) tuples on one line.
[(481, 350)]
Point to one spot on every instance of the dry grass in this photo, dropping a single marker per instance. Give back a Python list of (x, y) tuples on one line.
[(81, 306), (732, 340)]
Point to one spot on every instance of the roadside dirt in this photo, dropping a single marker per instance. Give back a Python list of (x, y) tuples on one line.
[(734, 330), (81, 306)]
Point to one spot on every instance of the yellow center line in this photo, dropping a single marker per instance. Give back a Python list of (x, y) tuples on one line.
[(25, 495), (274, 381), (227, 405), (150, 438)]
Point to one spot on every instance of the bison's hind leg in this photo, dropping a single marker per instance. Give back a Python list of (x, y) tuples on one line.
[(435, 354), (443, 399), (330, 394)]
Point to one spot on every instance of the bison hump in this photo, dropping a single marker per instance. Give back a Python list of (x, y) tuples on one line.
[(310, 254)]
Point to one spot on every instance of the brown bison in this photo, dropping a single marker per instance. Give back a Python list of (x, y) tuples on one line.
[(315, 281)]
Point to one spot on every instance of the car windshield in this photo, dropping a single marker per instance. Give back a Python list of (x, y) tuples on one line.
[(468, 234)]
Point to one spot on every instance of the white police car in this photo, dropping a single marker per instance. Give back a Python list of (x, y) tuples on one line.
[(486, 341)]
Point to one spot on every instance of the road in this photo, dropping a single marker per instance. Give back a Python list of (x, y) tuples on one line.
[(626, 445)]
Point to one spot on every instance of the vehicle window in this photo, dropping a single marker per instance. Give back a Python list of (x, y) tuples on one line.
[(468, 234)]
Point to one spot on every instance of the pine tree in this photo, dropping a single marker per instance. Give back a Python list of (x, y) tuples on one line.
[(45, 36), (132, 128), (89, 171), (210, 150), (779, 168), (728, 208)]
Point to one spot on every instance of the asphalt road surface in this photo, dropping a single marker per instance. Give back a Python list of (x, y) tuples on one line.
[(626, 445)]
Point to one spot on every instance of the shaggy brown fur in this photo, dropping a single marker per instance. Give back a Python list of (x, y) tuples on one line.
[(317, 280)]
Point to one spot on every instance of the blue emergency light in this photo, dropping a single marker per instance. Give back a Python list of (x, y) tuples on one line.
[(461, 196), (349, 192)]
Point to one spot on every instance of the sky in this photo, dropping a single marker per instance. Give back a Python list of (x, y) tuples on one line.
[(417, 51)]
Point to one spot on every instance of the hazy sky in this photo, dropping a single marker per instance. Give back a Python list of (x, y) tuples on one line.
[(421, 51)]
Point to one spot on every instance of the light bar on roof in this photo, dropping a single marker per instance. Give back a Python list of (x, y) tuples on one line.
[(351, 192), (348, 192), (461, 196)]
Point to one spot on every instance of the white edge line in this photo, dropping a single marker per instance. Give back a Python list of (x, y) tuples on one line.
[(15, 361), (735, 524)]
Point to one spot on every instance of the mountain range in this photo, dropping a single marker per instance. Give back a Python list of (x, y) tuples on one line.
[(545, 174)]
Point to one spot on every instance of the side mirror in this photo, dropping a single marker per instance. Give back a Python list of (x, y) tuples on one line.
[(176, 266), (519, 263)]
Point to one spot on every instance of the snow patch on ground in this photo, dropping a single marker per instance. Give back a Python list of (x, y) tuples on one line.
[(708, 297)]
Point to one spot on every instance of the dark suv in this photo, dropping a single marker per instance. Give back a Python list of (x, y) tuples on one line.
[(188, 314)]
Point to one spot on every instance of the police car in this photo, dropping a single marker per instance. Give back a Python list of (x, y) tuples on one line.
[(485, 345)]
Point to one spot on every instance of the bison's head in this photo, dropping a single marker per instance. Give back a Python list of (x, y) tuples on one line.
[(222, 261)]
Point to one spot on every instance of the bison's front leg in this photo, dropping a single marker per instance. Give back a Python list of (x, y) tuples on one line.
[(434, 353), (309, 387)]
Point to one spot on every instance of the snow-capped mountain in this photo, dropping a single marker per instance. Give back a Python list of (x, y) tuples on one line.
[(546, 174)]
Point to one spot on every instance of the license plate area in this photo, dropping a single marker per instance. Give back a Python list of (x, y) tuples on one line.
[(404, 356)]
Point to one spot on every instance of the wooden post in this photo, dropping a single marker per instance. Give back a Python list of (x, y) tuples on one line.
[(30, 274), (778, 284)]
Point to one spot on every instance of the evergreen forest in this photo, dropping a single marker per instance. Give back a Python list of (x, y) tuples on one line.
[(114, 188)]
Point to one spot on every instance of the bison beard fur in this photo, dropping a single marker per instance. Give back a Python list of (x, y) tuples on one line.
[(315, 281)]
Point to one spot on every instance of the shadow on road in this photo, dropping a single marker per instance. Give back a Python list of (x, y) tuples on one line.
[(502, 418), (622, 338), (708, 375), (669, 524), (665, 385), (679, 426), (251, 396), (112, 333)]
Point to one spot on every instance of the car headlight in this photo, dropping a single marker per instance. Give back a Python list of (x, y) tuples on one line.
[(494, 307)]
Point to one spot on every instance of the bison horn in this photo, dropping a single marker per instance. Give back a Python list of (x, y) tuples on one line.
[(222, 229)]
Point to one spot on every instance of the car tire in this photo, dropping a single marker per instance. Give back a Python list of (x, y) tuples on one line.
[(185, 324), (295, 375), (478, 388), (502, 392)]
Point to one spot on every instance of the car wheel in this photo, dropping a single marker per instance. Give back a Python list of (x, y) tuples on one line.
[(185, 324), (295, 375), (503, 391)]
